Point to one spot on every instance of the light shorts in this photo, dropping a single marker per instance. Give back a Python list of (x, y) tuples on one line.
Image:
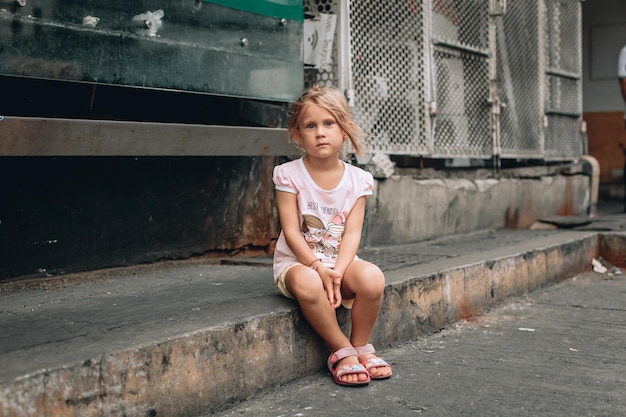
[(283, 288)]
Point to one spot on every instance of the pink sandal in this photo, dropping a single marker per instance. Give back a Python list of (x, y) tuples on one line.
[(338, 371), (373, 362)]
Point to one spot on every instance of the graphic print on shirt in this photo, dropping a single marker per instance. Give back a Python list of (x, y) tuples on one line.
[(324, 239)]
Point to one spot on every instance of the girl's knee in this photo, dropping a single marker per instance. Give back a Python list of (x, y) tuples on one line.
[(369, 279), (374, 274), (378, 282), (303, 283)]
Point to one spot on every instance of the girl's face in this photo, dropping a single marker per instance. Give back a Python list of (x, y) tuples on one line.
[(318, 133)]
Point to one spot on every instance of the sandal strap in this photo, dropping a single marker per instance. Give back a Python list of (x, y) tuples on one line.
[(340, 354), (374, 362), (346, 369), (365, 349), (354, 368)]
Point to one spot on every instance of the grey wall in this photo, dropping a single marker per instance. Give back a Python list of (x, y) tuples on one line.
[(604, 32), (407, 209)]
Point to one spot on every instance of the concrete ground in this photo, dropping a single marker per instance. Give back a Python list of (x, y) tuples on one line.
[(188, 338), (558, 351)]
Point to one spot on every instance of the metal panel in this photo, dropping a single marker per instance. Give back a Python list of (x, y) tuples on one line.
[(563, 81), (395, 72), (500, 79), (388, 78), (463, 122), (520, 64), (61, 137), (460, 34), (390, 74), (284, 9), (185, 45)]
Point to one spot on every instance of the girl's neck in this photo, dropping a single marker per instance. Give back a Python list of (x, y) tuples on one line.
[(326, 173), (322, 164)]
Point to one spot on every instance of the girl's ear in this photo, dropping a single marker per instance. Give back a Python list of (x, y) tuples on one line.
[(350, 127), (295, 134)]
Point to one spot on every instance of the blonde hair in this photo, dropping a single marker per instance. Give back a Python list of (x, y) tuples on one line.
[(334, 102)]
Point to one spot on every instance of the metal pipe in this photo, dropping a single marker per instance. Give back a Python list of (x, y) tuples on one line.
[(594, 183), (344, 70)]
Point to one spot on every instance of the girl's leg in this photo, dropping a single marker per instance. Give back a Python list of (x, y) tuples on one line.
[(306, 286), (364, 282)]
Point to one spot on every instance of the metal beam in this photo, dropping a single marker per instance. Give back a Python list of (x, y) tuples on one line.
[(21, 136)]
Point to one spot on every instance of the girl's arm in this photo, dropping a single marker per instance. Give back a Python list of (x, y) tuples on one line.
[(351, 236), (290, 223)]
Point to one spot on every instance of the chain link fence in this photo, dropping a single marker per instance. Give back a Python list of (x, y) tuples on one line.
[(520, 80), (563, 85), (460, 79), (460, 36)]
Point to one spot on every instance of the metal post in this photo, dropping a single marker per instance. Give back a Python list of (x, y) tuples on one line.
[(344, 65)]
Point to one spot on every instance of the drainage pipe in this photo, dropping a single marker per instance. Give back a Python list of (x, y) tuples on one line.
[(595, 183)]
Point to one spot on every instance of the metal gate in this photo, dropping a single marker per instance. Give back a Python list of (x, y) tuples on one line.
[(563, 80), (461, 53), (520, 76), (539, 80), (460, 79), (387, 73)]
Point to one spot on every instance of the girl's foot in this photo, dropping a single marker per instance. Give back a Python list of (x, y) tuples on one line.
[(346, 369), (351, 361), (376, 367)]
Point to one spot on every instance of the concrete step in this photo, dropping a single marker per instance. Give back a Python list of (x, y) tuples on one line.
[(558, 351), (184, 338)]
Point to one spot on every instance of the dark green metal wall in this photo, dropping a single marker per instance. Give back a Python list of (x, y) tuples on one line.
[(60, 215)]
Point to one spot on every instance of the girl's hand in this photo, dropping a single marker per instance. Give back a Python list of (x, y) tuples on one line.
[(331, 280)]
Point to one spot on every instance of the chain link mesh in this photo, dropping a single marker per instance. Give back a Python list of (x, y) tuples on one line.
[(462, 125), (563, 80), (387, 44), (463, 122), (519, 69), (461, 22), (411, 57)]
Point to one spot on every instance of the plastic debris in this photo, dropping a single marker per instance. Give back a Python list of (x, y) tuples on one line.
[(602, 266), (526, 329), (91, 21), (598, 267)]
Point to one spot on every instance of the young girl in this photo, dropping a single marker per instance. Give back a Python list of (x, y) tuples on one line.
[(321, 204)]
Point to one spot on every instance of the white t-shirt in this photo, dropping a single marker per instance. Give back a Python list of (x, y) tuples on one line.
[(621, 63), (322, 213)]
